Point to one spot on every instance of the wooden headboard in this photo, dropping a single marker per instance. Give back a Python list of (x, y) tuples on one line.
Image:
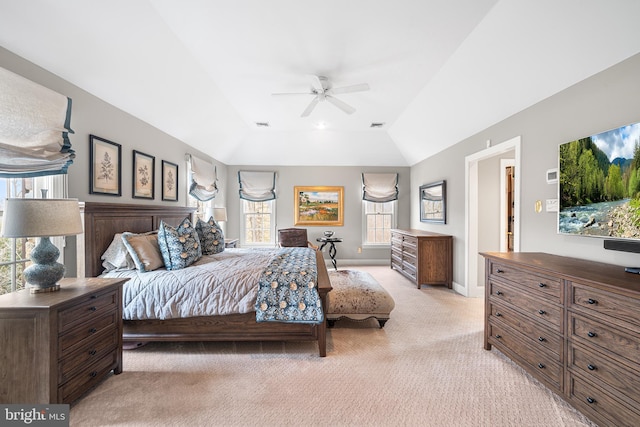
[(103, 220)]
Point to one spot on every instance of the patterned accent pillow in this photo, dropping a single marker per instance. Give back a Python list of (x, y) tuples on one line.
[(180, 246), (211, 236)]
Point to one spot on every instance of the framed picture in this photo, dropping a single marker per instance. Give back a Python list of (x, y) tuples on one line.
[(319, 206), (433, 202), (144, 172), (105, 167), (169, 181)]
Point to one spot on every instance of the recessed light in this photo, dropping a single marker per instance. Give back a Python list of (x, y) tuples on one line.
[(262, 124), (377, 124), (321, 125)]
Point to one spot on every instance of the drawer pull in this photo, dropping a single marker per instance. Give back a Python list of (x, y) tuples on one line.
[(542, 339), (591, 301), (499, 271), (93, 330), (542, 285), (591, 367), (92, 353), (94, 308), (591, 400), (498, 336), (499, 293), (498, 314), (541, 312), (93, 374), (592, 334), (93, 296), (540, 365)]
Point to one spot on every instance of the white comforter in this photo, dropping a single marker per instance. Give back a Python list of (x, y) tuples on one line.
[(220, 284)]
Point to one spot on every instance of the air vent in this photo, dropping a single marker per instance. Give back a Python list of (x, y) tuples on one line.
[(262, 124), (377, 124)]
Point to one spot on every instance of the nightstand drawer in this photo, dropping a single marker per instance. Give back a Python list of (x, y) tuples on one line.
[(93, 306), (70, 339), (89, 377), (87, 352)]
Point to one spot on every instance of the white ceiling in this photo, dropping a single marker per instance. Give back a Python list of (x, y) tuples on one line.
[(439, 70)]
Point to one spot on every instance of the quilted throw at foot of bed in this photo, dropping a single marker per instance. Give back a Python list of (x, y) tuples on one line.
[(288, 289)]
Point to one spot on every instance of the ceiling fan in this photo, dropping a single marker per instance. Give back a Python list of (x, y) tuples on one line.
[(322, 91)]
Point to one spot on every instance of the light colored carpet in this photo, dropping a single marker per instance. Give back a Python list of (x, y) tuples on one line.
[(425, 368)]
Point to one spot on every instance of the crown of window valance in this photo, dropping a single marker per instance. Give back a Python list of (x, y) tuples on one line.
[(34, 129), (257, 186), (380, 187), (204, 179)]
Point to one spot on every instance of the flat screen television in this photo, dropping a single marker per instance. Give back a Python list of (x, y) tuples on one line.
[(599, 185)]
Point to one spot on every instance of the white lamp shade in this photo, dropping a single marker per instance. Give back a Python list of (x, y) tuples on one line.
[(220, 214), (41, 218)]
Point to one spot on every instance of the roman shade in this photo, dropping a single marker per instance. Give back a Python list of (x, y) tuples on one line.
[(257, 186), (34, 129), (204, 179), (380, 187)]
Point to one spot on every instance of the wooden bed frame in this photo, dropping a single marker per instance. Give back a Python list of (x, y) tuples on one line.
[(103, 220)]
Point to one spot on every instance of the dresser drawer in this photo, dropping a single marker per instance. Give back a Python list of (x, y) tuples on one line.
[(592, 332), (535, 307), (94, 306), (539, 334), (601, 369), (606, 304), (69, 340), (598, 404), (87, 352), (540, 362), (547, 287), (88, 378)]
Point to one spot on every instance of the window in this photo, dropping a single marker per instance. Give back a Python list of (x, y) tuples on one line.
[(258, 223), (379, 219)]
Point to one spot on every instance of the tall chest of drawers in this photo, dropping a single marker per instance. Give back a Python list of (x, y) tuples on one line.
[(58, 345), (573, 324), (423, 257)]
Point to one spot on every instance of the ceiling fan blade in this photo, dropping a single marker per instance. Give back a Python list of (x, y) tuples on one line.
[(310, 107), (292, 93), (341, 105), (348, 89)]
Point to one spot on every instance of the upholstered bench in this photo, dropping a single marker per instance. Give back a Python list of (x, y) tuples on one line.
[(356, 295)]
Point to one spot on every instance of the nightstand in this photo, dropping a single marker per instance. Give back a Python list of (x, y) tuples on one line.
[(58, 345), (231, 243)]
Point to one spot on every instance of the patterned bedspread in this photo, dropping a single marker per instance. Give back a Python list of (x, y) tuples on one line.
[(220, 284)]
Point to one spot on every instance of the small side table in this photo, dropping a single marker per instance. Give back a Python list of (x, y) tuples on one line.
[(332, 247), (230, 243)]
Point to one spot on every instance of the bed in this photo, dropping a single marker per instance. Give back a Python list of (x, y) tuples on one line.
[(103, 220)]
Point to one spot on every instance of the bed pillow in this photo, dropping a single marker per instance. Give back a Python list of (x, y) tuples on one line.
[(144, 250), (117, 257), (180, 246), (211, 236)]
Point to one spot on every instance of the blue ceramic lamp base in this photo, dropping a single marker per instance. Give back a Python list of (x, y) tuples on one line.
[(45, 272)]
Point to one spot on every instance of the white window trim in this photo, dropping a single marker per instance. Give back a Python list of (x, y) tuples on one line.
[(243, 234), (394, 224)]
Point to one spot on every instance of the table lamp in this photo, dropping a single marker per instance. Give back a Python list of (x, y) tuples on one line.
[(42, 218)]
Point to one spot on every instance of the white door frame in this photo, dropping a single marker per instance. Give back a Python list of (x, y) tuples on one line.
[(472, 287)]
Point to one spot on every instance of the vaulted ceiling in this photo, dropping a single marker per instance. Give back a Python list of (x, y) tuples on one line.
[(439, 71)]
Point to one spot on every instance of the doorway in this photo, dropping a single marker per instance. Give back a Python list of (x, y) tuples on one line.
[(474, 202)]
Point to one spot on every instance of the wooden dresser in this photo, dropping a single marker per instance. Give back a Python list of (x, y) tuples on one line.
[(425, 258), (573, 324), (58, 345)]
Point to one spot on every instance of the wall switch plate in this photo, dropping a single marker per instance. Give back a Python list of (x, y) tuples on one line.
[(552, 205)]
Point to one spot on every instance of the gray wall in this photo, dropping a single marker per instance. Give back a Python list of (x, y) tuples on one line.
[(287, 177), (602, 102)]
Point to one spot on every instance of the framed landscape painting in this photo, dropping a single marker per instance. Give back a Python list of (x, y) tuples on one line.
[(319, 206), (105, 167)]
